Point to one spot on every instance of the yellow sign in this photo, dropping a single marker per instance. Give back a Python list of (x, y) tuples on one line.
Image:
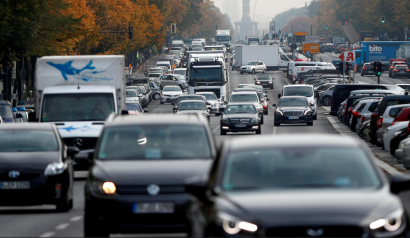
[(300, 34), (312, 48)]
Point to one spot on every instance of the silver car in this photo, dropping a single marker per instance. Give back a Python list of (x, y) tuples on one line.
[(173, 80), (388, 117), (170, 94), (213, 100)]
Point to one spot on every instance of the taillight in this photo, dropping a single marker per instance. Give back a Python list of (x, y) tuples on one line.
[(392, 67), (407, 70), (396, 70), (364, 68), (392, 123), (363, 118), (331, 103), (380, 122), (408, 128), (375, 115)]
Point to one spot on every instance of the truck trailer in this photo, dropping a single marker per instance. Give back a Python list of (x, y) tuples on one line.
[(271, 55)]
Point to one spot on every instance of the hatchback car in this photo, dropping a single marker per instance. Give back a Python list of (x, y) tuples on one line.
[(401, 71), (368, 69), (240, 117), (36, 166), (297, 186), (136, 181)]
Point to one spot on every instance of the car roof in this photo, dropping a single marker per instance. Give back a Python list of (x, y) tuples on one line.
[(241, 103), (4, 102), (394, 97), (155, 119), (399, 105), (298, 85), (244, 92), (294, 97), (199, 93), (27, 126), (172, 86)]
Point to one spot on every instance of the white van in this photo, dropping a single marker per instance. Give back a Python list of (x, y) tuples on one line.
[(293, 64), (299, 69), (301, 90)]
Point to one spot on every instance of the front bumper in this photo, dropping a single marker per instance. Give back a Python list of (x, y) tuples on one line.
[(265, 84), (285, 119), (165, 99), (229, 127), (115, 212), (407, 75)]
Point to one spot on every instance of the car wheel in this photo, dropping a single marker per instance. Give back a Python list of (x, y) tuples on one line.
[(259, 131), (276, 123), (326, 101), (64, 205), (264, 71), (362, 74), (223, 132), (309, 123), (271, 87), (267, 112), (157, 96), (92, 228), (262, 119), (315, 117), (253, 71), (241, 72), (393, 76), (161, 102)]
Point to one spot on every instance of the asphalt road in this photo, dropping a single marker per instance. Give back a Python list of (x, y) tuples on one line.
[(45, 222)]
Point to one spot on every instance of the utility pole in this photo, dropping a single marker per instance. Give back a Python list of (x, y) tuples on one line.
[(6, 82), (293, 42), (311, 29)]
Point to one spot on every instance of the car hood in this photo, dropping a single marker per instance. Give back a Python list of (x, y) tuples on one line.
[(292, 108), (191, 112), (23, 161), (145, 172), (241, 116), (314, 207)]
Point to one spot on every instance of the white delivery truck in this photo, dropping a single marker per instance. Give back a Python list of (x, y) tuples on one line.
[(78, 93), (223, 37), (177, 43), (271, 55)]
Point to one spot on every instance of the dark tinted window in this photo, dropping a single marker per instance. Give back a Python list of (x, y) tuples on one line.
[(180, 99), (27, 141), (395, 111), (360, 108), (374, 106)]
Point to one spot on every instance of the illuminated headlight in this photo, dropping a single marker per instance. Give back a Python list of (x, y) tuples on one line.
[(392, 225), (104, 187), (279, 113), (258, 82), (55, 169), (232, 225), (271, 82)]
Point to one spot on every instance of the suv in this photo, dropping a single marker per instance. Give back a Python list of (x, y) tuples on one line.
[(392, 62), (401, 70), (302, 90), (6, 112), (136, 180), (253, 67), (173, 80)]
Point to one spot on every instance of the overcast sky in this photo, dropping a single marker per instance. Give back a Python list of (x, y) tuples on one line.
[(267, 9)]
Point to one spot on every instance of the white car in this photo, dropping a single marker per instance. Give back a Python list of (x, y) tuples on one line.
[(391, 132), (181, 71), (170, 94), (213, 100), (403, 150), (301, 90), (253, 67), (388, 117), (366, 111), (131, 95)]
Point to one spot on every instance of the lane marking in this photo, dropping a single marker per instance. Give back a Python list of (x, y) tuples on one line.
[(215, 129), (385, 166), (62, 226), (274, 130), (77, 218), (48, 234)]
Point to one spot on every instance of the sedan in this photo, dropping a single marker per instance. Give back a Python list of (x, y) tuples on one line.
[(293, 109), (401, 71), (36, 167), (272, 187), (264, 81), (193, 107), (170, 94), (239, 117), (368, 69)]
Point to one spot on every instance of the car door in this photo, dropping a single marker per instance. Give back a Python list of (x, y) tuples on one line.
[(165, 80), (260, 66)]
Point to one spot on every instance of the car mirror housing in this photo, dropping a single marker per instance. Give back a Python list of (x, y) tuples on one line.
[(196, 186), (145, 111), (274, 105), (71, 151), (279, 95), (399, 183)]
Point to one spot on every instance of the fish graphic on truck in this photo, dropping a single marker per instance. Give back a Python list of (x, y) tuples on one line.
[(68, 69)]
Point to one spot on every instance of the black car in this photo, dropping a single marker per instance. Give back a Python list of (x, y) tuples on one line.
[(264, 81), (187, 97), (297, 186), (6, 112), (368, 69), (194, 107), (401, 71), (293, 109), (240, 117), (36, 167), (136, 181)]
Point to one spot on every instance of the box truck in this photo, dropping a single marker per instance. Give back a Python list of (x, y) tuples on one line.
[(271, 55)]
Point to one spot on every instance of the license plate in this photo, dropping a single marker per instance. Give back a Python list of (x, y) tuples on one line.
[(155, 207), (293, 118), (15, 185), (240, 125), (370, 71)]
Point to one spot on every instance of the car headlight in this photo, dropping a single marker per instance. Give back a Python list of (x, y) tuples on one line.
[(255, 120), (279, 113), (55, 169), (104, 187), (271, 82), (226, 121), (258, 82), (392, 225), (232, 225), (312, 103), (308, 112)]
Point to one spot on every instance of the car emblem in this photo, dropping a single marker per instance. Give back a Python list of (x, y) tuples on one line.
[(153, 190), (315, 232), (78, 142), (240, 120), (14, 174)]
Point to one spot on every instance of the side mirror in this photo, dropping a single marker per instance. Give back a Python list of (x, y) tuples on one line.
[(125, 112), (226, 102), (267, 99), (208, 103), (32, 117), (18, 115), (399, 183), (173, 103), (279, 95), (196, 186), (145, 110), (274, 105), (71, 151)]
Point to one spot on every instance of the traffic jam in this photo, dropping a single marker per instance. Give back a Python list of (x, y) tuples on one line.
[(232, 133)]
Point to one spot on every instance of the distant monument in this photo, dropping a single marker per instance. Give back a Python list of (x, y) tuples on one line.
[(246, 27)]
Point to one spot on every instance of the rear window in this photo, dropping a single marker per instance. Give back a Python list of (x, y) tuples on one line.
[(361, 107), (395, 111), (374, 106)]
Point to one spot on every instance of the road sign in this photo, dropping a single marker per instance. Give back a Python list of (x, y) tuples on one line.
[(348, 56), (308, 53), (312, 48), (300, 33), (311, 39)]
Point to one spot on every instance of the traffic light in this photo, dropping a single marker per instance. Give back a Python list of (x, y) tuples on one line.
[(383, 20), (378, 68), (130, 33), (340, 68), (345, 22), (173, 28)]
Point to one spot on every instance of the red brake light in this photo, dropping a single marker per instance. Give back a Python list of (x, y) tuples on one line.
[(392, 67), (380, 123), (364, 68), (374, 115), (363, 118), (392, 123), (331, 103), (396, 70), (407, 70)]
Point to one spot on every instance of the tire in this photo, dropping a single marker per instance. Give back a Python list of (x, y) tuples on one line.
[(262, 120), (267, 112), (253, 71), (157, 96), (92, 228), (223, 133), (362, 74), (65, 205), (182, 89), (326, 101), (161, 102), (276, 123), (309, 123), (241, 72), (264, 71), (271, 87), (315, 117), (393, 76), (259, 131)]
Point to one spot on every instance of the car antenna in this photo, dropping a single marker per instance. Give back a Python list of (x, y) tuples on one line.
[(78, 84)]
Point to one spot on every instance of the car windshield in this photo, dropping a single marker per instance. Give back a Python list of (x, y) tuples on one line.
[(136, 88), (5, 111), (292, 102), (133, 107), (156, 142), (209, 96), (27, 141), (251, 63), (394, 88), (166, 65), (131, 93), (263, 77), (180, 77), (71, 107), (299, 168), (192, 106), (244, 98), (206, 75), (172, 89), (180, 72), (154, 75), (184, 98), (233, 109), (298, 91)]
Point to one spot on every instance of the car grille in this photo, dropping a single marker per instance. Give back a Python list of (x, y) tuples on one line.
[(327, 231), (164, 189), (293, 113), (236, 121), (4, 176), (86, 143), (167, 95)]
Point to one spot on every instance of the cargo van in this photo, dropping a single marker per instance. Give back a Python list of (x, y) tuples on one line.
[(293, 64)]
